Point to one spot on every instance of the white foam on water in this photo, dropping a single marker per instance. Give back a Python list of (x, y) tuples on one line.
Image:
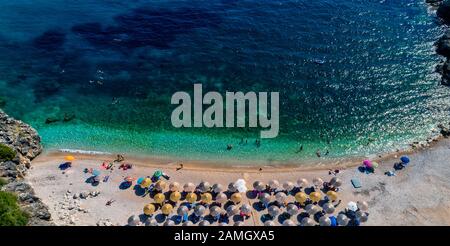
[(87, 152)]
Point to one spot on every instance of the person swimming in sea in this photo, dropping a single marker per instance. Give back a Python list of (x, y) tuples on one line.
[(318, 153), (258, 143), (300, 149)]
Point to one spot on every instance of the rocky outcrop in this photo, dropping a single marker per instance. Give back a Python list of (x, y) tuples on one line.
[(443, 11), (25, 141)]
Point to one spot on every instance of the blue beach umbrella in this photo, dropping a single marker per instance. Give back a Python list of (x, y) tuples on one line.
[(139, 181), (404, 159), (333, 221), (96, 172)]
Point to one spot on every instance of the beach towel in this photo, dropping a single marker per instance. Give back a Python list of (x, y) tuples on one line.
[(356, 183)]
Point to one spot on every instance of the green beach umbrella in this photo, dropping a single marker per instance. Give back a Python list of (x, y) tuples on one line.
[(158, 173)]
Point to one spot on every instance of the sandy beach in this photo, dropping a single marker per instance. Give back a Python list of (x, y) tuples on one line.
[(417, 195)]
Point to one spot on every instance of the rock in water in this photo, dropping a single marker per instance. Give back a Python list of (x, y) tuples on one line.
[(443, 45), (444, 11)]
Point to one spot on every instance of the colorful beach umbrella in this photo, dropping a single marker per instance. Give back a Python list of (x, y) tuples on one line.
[(166, 209), (367, 163), (236, 198), (69, 158), (96, 172), (221, 198), (146, 183), (317, 182), (336, 182), (157, 174), (332, 195), (301, 197), (315, 196), (159, 198), (206, 198), (375, 164), (404, 159), (139, 180), (191, 197), (312, 209), (175, 196), (149, 209), (362, 216)]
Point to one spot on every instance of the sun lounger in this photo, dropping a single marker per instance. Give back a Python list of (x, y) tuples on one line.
[(356, 183)]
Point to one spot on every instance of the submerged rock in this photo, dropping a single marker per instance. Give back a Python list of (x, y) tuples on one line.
[(443, 45), (444, 11)]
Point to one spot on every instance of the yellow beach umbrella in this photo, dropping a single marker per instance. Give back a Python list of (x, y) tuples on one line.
[(315, 196), (301, 197), (236, 198), (191, 197), (146, 183), (159, 198), (69, 158), (332, 195), (167, 209), (175, 196), (206, 198), (149, 209)]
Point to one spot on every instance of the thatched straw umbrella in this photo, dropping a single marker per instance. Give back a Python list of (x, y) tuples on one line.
[(199, 210), (324, 221), (218, 188), (306, 221), (134, 220), (182, 210), (288, 186), (188, 223), (189, 187), (221, 198), (317, 182), (362, 205), (160, 185), (231, 187), (204, 223), (232, 210), (175, 196), (215, 211), (151, 222), (238, 223), (269, 223), (288, 223), (273, 211), (169, 223), (259, 186), (191, 197), (280, 197), (264, 198), (246, 209), (328, 208), (174, 186), (342, 219), (292, 209), (204, 186), (274, 184), (302, 183)]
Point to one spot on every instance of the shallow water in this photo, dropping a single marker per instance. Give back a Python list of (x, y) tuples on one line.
[(115, 65)]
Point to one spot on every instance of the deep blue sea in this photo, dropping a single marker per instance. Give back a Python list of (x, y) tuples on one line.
[(110, 68)]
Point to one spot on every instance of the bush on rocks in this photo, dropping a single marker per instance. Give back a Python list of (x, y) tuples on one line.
[(10, 213), (6, 153)]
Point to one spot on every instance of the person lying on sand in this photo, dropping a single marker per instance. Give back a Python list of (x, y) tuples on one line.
[(181, 167), (108, 203), (119, 158)]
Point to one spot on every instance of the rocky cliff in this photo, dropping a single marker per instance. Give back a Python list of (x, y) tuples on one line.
[(25, 142)]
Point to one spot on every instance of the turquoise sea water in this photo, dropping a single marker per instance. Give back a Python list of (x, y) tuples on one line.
[(115, 64)]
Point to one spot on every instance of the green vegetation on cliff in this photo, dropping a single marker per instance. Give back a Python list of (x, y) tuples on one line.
[(10, 213), (6, 153)]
